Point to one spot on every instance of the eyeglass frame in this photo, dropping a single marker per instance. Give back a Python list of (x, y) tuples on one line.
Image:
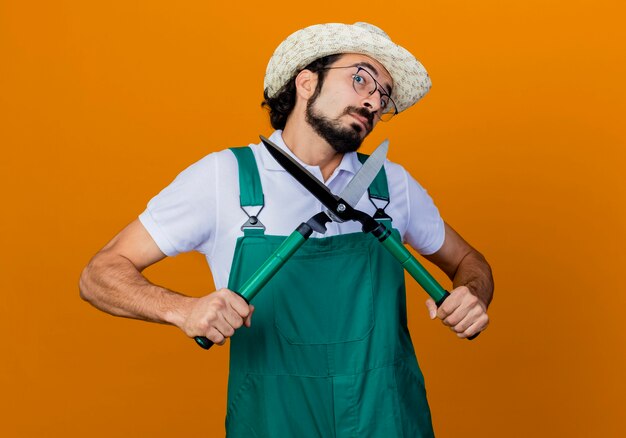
[(379, 88)]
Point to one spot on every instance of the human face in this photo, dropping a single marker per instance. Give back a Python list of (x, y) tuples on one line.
[(365, 85), (340, 115)]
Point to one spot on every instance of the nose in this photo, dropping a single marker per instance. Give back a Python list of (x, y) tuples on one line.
[(372, 103)]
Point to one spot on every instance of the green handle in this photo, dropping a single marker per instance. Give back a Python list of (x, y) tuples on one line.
[(265, 273), (267, 270), (413, 267)]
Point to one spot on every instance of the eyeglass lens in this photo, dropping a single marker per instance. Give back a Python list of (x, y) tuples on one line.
[(365, 85)]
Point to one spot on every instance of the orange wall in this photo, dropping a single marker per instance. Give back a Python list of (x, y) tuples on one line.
[(520, 142)]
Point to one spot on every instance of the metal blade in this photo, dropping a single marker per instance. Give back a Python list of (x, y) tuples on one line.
[(304, 177), (366, 174)]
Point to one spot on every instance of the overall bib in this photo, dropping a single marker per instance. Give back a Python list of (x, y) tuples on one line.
[(329, 352)]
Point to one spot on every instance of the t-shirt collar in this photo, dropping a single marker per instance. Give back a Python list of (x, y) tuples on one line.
[(349, 163)]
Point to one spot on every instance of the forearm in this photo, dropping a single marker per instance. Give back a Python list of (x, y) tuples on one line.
[(475, 273), (114, 285)]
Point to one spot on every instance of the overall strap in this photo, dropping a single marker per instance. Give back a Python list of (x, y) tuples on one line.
[(250, 190), (378, 191)]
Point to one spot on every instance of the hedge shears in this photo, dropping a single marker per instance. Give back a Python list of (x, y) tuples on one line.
[(341, 208)]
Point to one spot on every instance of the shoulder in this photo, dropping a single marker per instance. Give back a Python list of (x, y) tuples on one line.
[(200, 180), (183, 216), (213, 160), (204, 170), (414, 211), (400, 178)]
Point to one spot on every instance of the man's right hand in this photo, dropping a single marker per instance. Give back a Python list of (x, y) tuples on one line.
[(113, 282), (217, 316)]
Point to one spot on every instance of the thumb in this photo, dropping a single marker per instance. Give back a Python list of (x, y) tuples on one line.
[(432, 308)]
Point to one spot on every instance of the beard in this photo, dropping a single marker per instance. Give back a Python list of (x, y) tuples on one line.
[(342, 138)]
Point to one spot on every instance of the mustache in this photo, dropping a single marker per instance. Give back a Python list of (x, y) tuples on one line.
[(361, 112)]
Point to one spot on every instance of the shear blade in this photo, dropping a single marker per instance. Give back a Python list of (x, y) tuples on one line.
[(353, 191)]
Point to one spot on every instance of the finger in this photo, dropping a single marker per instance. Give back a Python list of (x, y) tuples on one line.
[(449, 306), (237, 311), (238, 304), (233, 318), (457, 305), (224, 327), (215, 336), (477, 327), (432, 308), (458, 315), (248, 321), (472, 315)]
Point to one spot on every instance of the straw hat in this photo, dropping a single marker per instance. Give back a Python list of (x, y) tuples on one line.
[(411, 81)]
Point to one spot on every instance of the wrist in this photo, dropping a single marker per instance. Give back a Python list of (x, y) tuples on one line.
[(176, 314)]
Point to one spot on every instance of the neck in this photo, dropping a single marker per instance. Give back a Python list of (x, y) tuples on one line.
[(309, 147)]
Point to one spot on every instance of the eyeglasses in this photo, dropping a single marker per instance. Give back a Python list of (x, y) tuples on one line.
[(365, 85)]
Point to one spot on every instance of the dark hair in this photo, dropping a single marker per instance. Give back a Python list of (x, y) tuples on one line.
[(281, 105)]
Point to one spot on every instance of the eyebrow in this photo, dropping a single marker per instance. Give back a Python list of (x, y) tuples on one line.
[(371, 67)]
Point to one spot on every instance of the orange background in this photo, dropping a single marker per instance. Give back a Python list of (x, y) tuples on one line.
[(520, 142)]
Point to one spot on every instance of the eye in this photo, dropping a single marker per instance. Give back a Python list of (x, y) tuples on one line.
[(358, 79), (384, 101)]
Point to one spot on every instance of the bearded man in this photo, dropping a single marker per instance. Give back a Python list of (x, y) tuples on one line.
[(329, 353)]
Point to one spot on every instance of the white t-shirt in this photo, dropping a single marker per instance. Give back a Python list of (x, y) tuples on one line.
[(200, 209)]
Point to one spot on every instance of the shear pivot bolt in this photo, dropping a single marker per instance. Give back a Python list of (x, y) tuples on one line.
[(341, 207)]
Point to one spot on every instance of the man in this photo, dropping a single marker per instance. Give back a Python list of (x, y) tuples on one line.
[(329, 353)]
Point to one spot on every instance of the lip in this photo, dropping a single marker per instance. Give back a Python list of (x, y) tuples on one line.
[(361, 120)]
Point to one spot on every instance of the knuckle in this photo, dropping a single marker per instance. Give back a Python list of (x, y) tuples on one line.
[(218, 305), (221, 293), (451, 321), (245, 311), (217, 338), (204, 326), (446, 308), (485, 322), (210, 317), (238, 302), (462, 291)]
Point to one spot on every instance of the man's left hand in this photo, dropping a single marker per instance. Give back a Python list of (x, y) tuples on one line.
[(462, 311)]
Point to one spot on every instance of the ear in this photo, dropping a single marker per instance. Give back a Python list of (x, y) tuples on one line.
[(306, 81)]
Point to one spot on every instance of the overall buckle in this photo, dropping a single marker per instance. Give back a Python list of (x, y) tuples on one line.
[(253, 219)]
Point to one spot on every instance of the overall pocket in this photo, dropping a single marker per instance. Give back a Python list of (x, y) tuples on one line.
[(325, 297)]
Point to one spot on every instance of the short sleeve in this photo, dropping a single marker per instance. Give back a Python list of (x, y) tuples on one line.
[(425, 228), (182, 216)]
